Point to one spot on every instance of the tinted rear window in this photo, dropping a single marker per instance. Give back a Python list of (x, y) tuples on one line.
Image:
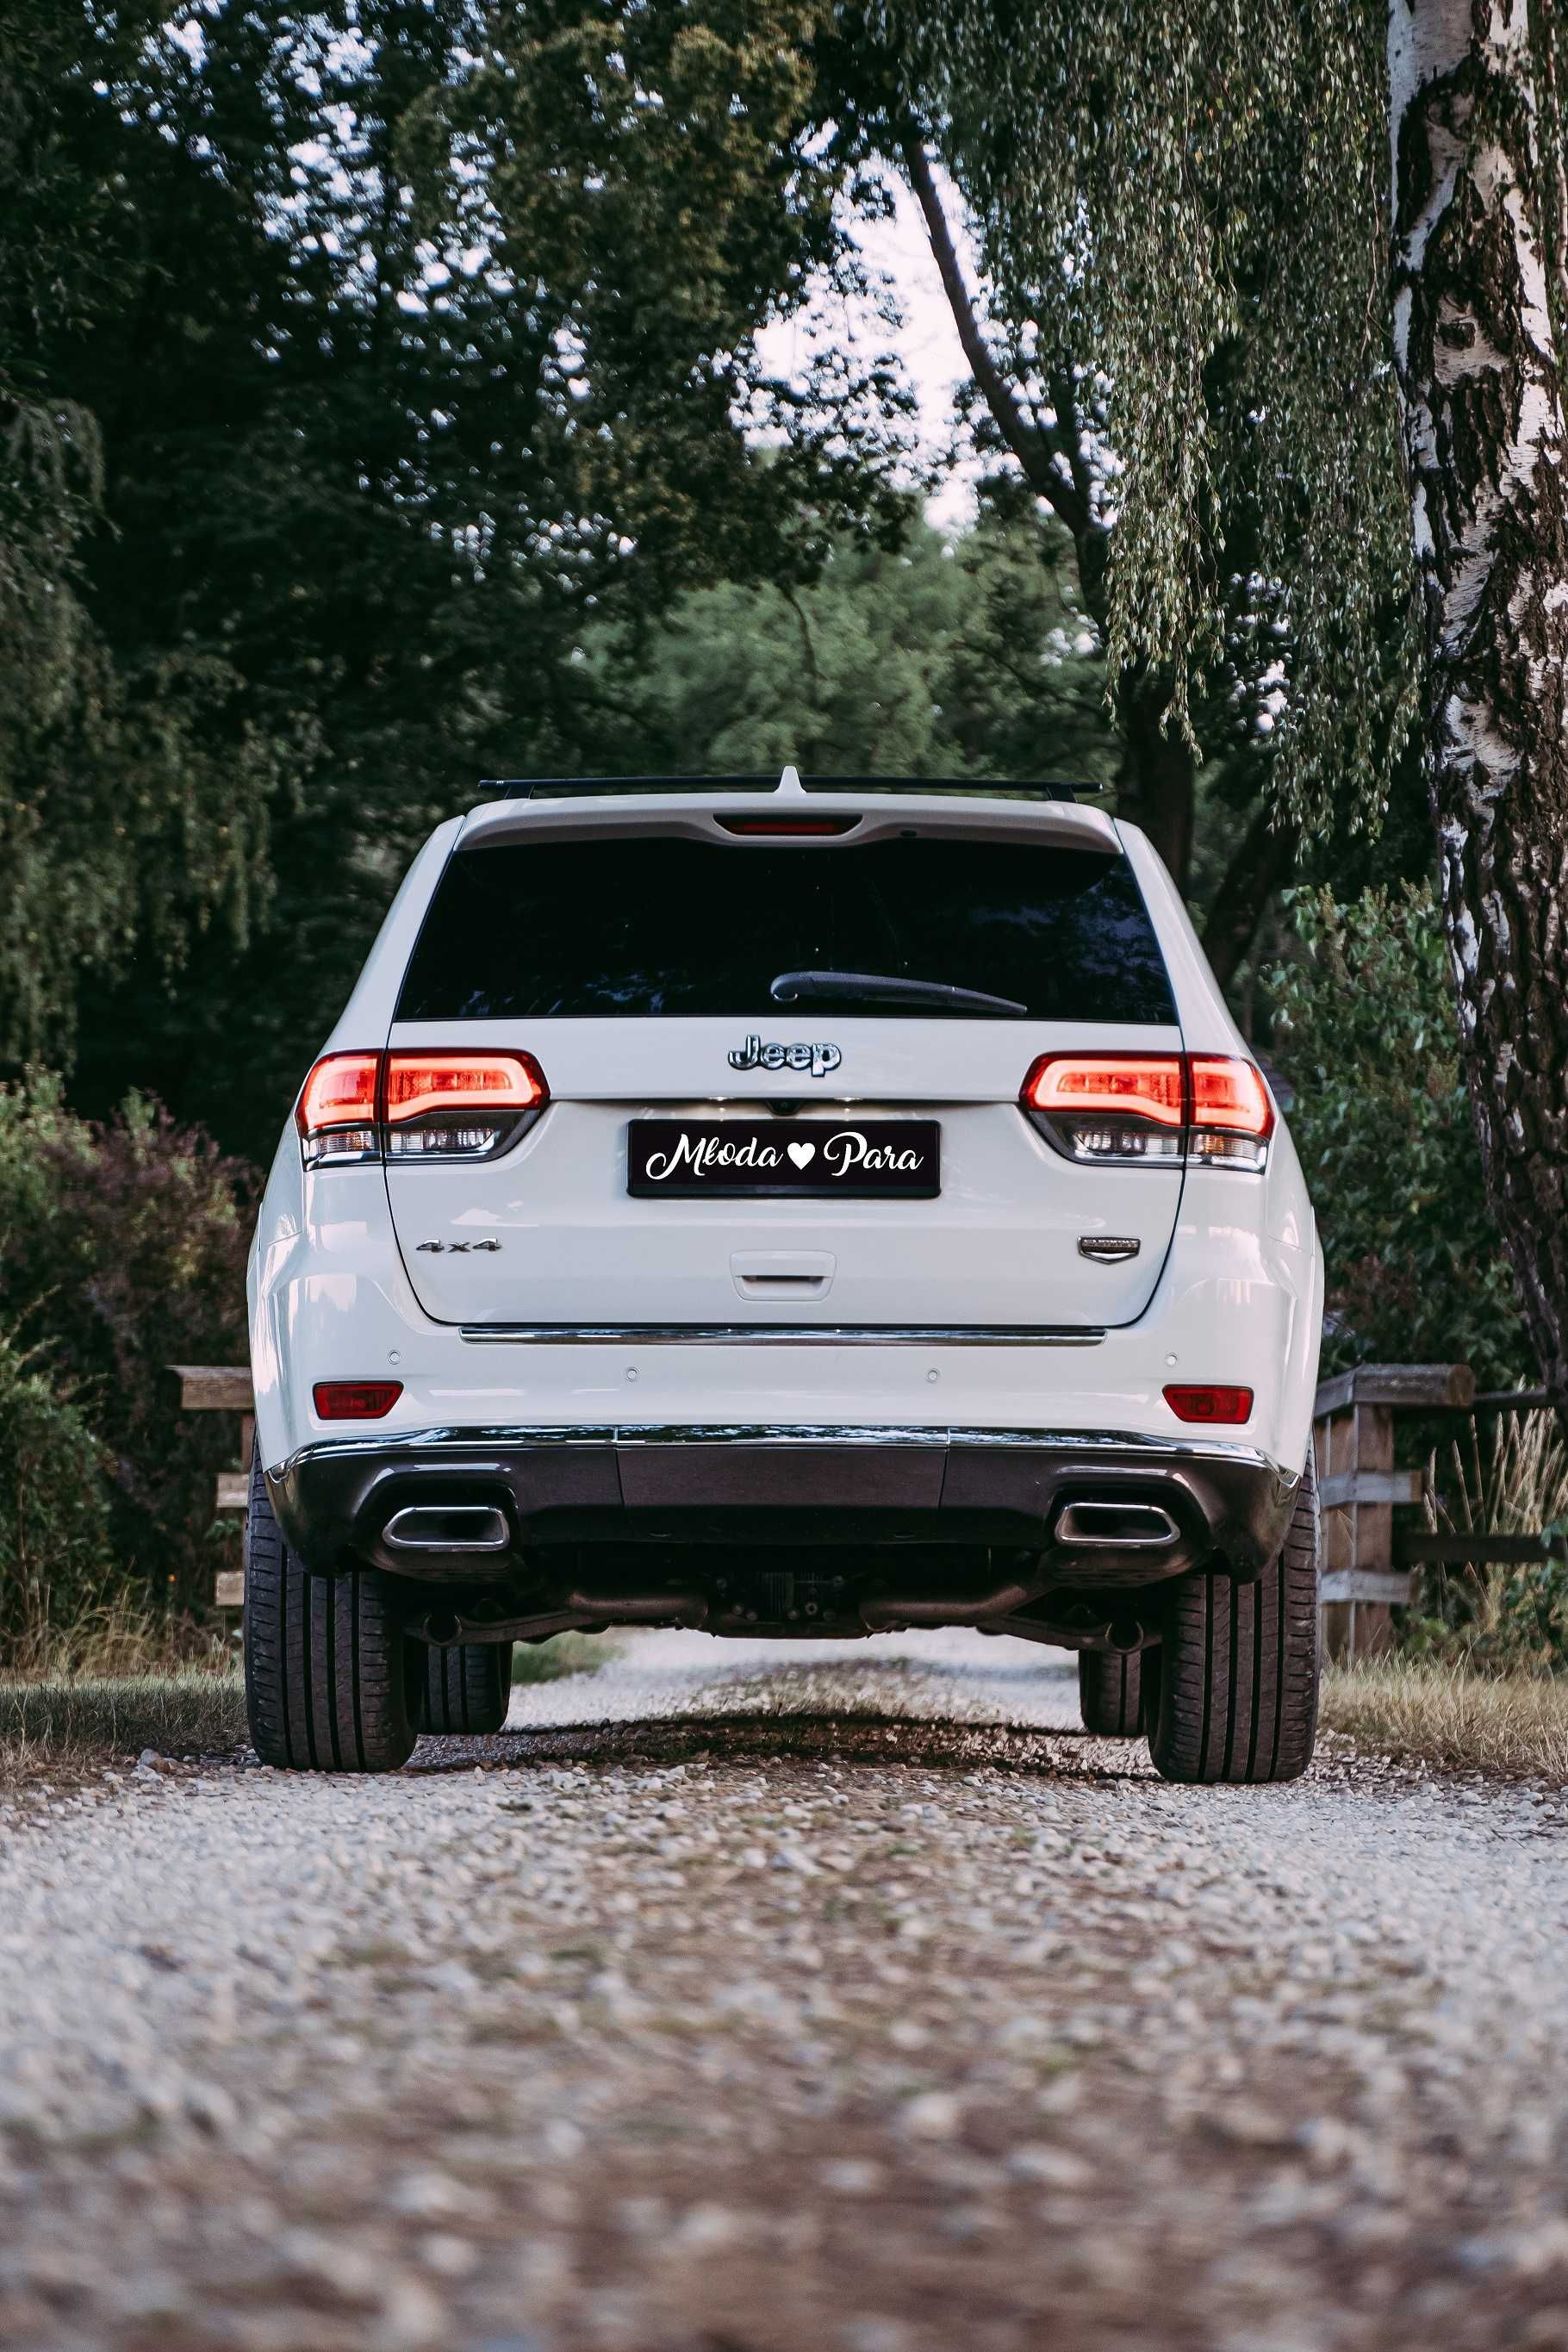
[(664, 926)]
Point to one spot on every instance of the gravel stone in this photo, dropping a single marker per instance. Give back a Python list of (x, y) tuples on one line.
[(777, 1997)]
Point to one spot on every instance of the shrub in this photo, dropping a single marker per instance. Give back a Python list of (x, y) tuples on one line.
[(122, 1251), (1366, 1028), (54, 1555)]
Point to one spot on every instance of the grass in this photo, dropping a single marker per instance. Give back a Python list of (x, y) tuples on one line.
[(65, 1723), (1514, 1726), (563, 1653)]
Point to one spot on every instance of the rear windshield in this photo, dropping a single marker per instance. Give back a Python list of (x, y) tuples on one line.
[(667, 926)]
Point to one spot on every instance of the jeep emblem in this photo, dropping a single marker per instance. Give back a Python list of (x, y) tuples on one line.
[(755, 1056)]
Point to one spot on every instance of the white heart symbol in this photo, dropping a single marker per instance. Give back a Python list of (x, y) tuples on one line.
[(803, 1154)]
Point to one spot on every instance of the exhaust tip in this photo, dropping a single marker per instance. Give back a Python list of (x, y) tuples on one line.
[(448, 1527), (1122, 1527)]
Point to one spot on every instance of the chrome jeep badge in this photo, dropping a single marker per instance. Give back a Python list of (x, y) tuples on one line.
[(755, 1056)]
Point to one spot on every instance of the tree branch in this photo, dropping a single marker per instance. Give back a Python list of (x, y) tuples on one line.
[(1036, 449), (1261, 863)]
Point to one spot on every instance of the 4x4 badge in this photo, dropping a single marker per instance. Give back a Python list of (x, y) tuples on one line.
[(755, 1056)]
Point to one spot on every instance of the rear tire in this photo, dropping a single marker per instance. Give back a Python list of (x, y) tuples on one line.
[(1235, 1695), (330, 1676), (1110, 1692), (467, 1686)]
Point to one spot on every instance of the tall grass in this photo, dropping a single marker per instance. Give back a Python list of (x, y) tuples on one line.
[(1447, 1714), (1507, 1618)]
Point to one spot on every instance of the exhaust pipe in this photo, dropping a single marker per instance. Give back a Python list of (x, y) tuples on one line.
[(448, 1527), (1119, 1527)]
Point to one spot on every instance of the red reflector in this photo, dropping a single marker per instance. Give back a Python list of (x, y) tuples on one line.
[(781, 827), (1229, 1093), (355, 1399), (417, 1083), (1144, 1085), (339, 1092), (1209, 1404)]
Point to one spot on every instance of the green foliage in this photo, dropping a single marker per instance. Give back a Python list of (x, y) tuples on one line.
[(937, 657), (54, 1555), (121, 1252), (1364, 1028), (1194, 202)]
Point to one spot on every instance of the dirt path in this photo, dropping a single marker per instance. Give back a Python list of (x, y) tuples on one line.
[(745, 2000)]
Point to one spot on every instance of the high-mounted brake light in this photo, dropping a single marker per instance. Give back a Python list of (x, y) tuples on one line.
[(1151, 1107), (1212, 1404), (779, 828), (429, 1105), (355, 1399)]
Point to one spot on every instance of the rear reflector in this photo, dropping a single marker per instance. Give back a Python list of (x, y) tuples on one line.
[(1151, 1107), (355, 1399), (1209, 1404)]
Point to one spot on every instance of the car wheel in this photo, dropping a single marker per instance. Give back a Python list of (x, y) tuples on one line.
[(467, 1686), (1234, 1694), (331, 1679), (1110, 1692)]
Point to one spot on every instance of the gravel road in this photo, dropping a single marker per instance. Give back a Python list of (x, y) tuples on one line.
[(739, 1999)]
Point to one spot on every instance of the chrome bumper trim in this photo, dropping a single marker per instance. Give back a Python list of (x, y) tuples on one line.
[(783, 1335), (1085, 1441)]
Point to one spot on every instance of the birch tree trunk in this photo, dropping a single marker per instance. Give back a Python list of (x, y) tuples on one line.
[(1478, 246)]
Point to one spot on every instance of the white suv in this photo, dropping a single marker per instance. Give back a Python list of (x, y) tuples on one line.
[(791, 1211)]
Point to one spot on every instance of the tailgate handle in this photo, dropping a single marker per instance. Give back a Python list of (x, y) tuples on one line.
[(782, 1273)]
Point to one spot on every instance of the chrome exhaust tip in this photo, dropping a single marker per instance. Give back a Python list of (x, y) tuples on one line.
[(448, 1527), (1120, 1526)]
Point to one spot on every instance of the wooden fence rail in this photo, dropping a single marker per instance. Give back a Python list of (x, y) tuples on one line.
[(1370, 1565)]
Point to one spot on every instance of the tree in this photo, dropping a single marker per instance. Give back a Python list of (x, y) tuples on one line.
[(1480, 310), (933, 659), (429, 333), (1168, 179)]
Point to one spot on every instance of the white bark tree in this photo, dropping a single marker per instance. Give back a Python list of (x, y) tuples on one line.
[(1481, 231)]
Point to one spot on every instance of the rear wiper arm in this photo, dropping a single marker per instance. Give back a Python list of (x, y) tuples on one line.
[(878, 988)]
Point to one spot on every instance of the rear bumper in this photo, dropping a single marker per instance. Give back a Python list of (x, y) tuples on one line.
[(863, 1487)]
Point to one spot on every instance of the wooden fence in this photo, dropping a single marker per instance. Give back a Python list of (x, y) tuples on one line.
[(1371, 1563)]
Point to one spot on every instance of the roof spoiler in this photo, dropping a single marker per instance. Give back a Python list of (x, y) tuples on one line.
[(550, 788)]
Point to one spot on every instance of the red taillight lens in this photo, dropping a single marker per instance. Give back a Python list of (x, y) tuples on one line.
[(1151, 1107), (1149, 1084), (454, 1105), (336, 1110), (1126, 1107), (1232, 1117), (355, 1399), (418, 1085), (1210, 1405), (408, 1106)]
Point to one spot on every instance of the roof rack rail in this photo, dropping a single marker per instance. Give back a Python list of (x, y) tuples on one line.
[(532, 788)]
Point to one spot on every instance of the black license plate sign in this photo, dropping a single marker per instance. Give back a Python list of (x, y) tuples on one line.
[(814, 1160)]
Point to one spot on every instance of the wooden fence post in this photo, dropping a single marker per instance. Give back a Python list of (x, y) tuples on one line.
[(1352, 1439)]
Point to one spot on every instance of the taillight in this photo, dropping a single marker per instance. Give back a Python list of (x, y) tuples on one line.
[(355, 1399), (1232, 1117), (1151, 1107), (336, 1112), (448, 1106), (1212, 1404), (417, 1106)]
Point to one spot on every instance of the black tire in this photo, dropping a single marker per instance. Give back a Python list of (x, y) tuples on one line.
[(467, 1686), (1234, 1696), (1110, 1692), (331, 1679)]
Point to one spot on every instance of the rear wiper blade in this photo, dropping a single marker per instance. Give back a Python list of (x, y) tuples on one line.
[(874, 987)]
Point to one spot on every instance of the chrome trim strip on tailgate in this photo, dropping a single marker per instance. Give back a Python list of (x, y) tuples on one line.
[(785, 1335)]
